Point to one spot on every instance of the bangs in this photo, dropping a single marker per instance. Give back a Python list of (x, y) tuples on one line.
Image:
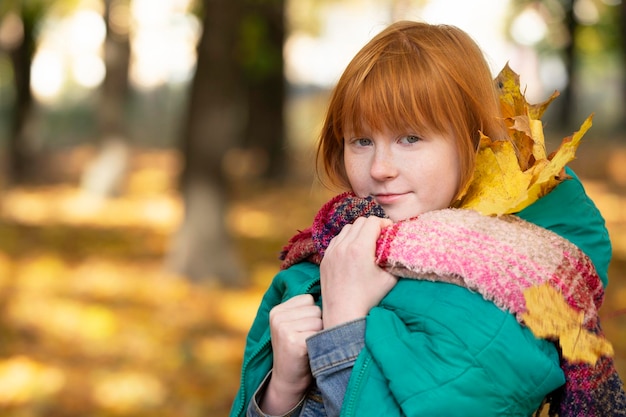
[(393, 95)]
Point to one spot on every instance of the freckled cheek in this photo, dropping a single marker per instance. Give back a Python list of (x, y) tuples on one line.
[(358, 175)]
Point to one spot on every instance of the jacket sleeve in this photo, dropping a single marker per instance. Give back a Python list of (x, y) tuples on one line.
[(254, 410), (332, 354), (456, 354)]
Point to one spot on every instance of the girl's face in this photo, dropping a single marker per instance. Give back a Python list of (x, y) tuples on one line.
[(407, 174)]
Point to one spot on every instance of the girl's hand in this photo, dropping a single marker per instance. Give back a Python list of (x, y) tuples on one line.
[(351, 281), (291, 323)]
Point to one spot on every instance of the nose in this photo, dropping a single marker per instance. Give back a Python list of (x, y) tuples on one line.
[(383, 166)]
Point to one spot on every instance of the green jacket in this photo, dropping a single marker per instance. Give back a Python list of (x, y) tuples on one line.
[(438, 349)]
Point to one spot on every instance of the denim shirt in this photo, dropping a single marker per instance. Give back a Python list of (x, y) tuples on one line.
[(331, 360)]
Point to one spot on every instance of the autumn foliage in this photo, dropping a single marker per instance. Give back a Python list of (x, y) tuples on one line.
[(511, 175)]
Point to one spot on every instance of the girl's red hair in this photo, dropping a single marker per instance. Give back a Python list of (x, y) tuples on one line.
[(413, 77)]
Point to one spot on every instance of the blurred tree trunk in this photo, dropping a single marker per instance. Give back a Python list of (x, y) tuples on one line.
[(203, 248), (261, 56), (568, 93), (236, 101), (103, 177), (114, 92), (622, 29), (20, 150)]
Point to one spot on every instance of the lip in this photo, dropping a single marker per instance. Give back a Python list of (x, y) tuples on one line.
[(390, 198)]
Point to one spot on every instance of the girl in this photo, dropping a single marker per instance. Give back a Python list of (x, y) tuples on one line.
[(401, 134)]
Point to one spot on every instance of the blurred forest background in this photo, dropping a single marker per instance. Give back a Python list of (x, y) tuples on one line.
[(155, 155)]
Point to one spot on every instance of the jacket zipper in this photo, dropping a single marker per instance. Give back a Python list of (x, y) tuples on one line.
[(264, 345), (244, 369), (348, 409)]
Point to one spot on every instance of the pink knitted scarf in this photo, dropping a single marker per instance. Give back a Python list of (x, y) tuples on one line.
[(498, 257)]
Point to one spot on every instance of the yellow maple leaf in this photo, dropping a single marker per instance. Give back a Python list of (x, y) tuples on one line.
[(549, 316), (497, 182), (521, 137), (539, 143), (511, 175), (567, 150), (511, 98), (535, 111), (551, 172)]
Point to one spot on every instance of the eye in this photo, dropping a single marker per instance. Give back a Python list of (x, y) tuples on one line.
[(363, 141), (410, 139)]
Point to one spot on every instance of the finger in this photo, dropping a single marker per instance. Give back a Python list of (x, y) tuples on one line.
[(309, 325), (282, 314), (371, 224), (293, 330), (365, 230), (348, 232), (281, 317), (377, 222), (298, 301), (385, 222)]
